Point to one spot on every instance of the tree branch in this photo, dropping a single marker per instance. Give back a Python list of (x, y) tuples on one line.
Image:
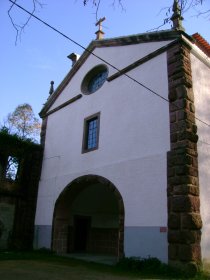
[(11, 19), (185, 5), (20, 28), (97, 3)]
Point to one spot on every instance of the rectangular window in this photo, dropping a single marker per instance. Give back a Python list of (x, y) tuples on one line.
[(91, 133)]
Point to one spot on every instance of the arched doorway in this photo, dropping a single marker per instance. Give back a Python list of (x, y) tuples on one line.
[(89, 217)]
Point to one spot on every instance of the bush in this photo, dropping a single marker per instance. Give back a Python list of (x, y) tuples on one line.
[(149, 266)]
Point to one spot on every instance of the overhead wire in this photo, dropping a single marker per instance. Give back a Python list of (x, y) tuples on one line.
[(100, 58)]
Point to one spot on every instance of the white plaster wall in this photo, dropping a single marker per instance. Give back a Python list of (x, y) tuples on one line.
[(133, 141), (119, 56), (201, 88), (141, 182)]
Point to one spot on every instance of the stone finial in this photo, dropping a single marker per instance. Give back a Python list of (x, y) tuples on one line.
[(177, 17), (99, 33), (74, 57), (51, 87)]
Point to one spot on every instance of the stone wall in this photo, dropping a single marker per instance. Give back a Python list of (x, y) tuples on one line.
[(18, 195), (184, 219)]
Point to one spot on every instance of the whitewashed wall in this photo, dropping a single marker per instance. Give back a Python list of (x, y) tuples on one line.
[(133, 141), (201, 87)]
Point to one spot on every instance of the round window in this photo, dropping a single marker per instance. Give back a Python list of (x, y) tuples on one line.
[(94, 79)]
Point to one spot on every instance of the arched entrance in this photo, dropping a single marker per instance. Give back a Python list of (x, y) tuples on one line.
[(89, 217)]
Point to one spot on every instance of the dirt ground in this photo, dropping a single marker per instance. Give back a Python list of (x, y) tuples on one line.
[(67, 270), (39, 270)]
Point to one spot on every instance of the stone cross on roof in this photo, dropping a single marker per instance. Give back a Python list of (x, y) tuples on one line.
[(51, 87), (177, 17), (99, 33)]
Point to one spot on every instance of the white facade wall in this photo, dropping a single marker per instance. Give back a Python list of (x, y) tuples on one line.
[(133, 141), (201, 88)]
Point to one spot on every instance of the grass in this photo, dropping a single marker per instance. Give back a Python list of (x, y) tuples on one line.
[(38, 265)]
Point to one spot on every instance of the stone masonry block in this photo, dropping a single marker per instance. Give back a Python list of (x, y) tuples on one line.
[(186, 190), (174, 236), (191, 118), (171, 171), (184, 203), (192, 108), (190, 236), (174, 137), (195, 162), (172, 96), (182, 180), (184, 92), (169, 193), (182, 115), (182, 170), (172, 107), (183, 135), (174, 221), (186, 169), (190, 252), (184, 236), (173, 251), (191, 221), (184, 160), (172, 117), (174, 127)]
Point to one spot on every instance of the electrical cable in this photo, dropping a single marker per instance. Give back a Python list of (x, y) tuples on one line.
[(98, 57)]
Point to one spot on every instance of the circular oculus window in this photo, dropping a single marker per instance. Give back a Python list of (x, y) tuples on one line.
[(94, 79)]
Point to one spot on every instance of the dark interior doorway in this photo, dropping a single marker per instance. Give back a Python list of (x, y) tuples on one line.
[(82, 226), (89, 218)]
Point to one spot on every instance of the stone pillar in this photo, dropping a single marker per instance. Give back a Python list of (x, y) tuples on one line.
[(184, 219), (43, 131)]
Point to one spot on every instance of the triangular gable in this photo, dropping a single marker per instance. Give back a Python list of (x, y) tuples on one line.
[(168, 35)]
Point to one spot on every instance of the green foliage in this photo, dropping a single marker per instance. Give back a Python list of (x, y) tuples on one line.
[(14, 140), (154, 267), (145, 265), (137, 264), (23, 123), (132, 268), (16, 156)]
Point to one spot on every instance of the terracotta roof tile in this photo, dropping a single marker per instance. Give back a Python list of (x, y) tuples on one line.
[(202, 43)]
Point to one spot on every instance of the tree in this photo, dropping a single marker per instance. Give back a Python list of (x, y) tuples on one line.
[(23, 123)]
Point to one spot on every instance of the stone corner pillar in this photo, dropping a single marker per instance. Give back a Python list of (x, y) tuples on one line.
[(184, 219)]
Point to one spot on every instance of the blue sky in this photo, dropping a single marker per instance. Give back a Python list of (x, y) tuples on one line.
[(41, 56)]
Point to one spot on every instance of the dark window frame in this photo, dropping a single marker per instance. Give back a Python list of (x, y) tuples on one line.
[(91, 75), (87, 121)]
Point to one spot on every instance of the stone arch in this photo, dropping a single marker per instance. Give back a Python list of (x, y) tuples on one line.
[(78, 203)]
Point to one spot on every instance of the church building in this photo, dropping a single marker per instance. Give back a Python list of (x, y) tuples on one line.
[(126, 139)]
